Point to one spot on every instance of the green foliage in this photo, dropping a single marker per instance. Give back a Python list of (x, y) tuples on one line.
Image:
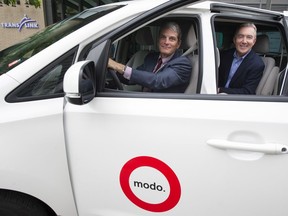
[(35, 3), (8, 2)]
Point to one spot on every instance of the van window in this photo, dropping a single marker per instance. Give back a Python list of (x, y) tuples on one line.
[(274, 41), (48, 83), (276, 48), (132, 49)]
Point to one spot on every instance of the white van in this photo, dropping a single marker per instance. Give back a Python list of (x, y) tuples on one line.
[(113, 150)]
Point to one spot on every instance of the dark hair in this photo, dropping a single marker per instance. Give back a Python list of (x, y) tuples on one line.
[(174, 26)]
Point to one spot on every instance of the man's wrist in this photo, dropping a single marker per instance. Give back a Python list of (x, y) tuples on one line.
[(120, 68), (124, 68)]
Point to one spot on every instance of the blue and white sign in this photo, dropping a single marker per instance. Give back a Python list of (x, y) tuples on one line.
[(25, 22)]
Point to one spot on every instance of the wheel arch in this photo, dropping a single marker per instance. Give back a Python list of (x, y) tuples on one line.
[(21, 198)]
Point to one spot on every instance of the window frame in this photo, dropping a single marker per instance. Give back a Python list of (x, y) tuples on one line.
[(258, 20), (14, 97)]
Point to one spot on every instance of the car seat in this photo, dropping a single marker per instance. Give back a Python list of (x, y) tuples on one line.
[(145, 39), (191, 53), (270, 73)]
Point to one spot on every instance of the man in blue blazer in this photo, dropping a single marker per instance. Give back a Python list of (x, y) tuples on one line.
[(163, 71), (241, 68)]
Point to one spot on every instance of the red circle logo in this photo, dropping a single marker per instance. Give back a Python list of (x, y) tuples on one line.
[(175, 189)]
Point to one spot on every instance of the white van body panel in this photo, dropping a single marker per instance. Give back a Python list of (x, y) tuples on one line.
[(176, 132)]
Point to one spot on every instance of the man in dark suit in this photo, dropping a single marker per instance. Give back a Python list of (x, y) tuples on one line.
[(163, 71), (241, 68)]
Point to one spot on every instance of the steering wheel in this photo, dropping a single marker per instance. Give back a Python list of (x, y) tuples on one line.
[(116, 79)]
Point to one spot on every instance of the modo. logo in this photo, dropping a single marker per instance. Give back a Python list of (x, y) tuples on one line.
[(148, 186), (136, 167)]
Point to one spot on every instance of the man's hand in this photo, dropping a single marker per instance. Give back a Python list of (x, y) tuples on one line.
[(116, 66)]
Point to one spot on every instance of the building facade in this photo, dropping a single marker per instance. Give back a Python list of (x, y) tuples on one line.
[(18, 22), (57, 10), (21, 20)]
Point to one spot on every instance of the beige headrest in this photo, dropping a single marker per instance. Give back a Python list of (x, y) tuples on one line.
[(189, 39), (262, 44)]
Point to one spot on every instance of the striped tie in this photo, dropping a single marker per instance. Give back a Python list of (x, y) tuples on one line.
[(159, 63)]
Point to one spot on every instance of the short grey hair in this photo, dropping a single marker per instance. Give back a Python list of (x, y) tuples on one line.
[(246, 25), (174, 26)]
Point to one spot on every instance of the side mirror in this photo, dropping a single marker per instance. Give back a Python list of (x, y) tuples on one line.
[(78, 83)]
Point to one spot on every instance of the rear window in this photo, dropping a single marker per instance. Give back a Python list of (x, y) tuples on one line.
[(224, 32), (275, 43)]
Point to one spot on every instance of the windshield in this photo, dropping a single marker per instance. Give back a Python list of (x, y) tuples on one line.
[(18, 53)]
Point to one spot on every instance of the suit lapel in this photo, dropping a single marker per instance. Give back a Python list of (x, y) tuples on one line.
[(176, 55), (229, 58)]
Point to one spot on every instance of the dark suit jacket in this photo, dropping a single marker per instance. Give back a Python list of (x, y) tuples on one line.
[(247, 76), (174, 76)]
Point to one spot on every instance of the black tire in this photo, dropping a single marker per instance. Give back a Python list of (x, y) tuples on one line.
[(19, 204)]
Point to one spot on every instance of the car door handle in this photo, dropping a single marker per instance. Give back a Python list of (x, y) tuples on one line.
[(268, 148)]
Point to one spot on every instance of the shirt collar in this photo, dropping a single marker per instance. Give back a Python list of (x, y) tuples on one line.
[(242, 57), (165, 60)]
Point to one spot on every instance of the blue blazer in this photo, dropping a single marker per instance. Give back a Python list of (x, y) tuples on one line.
[(247, 76), (173, 77)]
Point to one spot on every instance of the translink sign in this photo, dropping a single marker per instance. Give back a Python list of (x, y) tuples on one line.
[(24, 22)]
